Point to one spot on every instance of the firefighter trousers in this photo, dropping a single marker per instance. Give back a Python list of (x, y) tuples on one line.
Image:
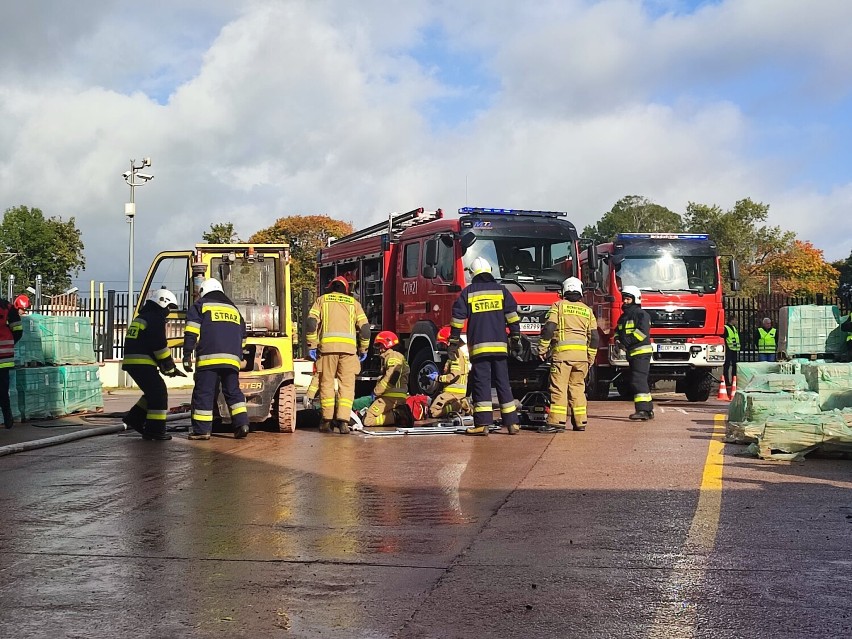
[(342, 367), (640, 367), (207, 381), (313, 387), (731, 358), (448, 403), (148, 415), (485, 372), (381, 412), (568, 393), (5, 400)]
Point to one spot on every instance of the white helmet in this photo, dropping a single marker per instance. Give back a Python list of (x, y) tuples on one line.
[(572, 285), (164, 298), (208, 286), (634, 292), (479, 265)]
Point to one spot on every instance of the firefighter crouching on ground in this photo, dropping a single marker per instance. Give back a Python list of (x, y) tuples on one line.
[(488, 308), (570, 333), (338, 337), (146, 355), (634, 333), (392, 389), (11, 331), (453, 397), (216, 332)]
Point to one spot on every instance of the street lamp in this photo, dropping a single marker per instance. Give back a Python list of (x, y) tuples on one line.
[(134, 179)]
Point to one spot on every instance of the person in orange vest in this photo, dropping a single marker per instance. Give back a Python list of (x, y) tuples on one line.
[(11, 331)]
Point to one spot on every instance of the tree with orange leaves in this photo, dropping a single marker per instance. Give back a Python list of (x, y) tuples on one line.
[(801, 270), (306, 235)]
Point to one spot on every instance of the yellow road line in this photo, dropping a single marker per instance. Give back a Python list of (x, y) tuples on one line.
[(705, 522)]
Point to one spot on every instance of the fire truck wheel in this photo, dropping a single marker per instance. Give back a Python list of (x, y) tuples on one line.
[(285, 408), (418, 381), (698, 386), (597, 389)]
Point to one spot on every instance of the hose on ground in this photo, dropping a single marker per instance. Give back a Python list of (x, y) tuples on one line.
[(59, 439)]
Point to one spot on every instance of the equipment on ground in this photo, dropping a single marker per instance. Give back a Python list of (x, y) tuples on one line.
[(534, 410)]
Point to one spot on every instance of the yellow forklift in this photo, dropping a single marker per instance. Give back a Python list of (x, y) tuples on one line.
[(256, 277)]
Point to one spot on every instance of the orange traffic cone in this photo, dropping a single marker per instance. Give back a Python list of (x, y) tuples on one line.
[(723, 392), (733, 386)]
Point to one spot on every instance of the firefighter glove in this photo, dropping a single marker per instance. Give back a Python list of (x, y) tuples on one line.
[(187, 362), (516, 346), (313, 354), (362, 357), (433, 376)]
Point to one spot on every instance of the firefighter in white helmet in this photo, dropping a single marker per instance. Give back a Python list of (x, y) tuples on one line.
[(634, 333), (570, 335), (146, 355)]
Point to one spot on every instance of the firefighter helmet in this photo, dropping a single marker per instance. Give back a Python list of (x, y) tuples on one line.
[(22, 302), (444, 335), (479, 265), (634, 292), (386, 339), (164, 298), (209, 286), (572, 285), (342, 280)]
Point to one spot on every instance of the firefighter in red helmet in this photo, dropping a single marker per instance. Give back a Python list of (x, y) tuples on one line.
[(392, 389)]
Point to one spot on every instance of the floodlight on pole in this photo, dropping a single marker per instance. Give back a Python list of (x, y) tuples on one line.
[(133, 179)]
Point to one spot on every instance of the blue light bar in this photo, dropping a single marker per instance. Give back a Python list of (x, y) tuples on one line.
[(699, 237), (474, 210)]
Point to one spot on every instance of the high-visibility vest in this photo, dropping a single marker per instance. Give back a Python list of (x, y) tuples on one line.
[(766, 343), (732, 337)]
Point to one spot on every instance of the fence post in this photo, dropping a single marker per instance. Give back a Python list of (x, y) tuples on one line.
[(109, 337)]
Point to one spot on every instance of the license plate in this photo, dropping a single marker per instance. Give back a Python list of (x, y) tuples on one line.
[(671, 348), (530, 327)]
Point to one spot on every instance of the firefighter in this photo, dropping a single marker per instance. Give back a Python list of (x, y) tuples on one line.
[(765, 340), (488, 309), (732, 352), (570, 333), (338, 337), (453, 397), (633, 332), (391, 389), (216, 332), (22, 303), (11, 331), (146, 355)]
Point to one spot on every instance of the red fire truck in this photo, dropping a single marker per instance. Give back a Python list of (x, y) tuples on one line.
[(408, 271), (679, 276)]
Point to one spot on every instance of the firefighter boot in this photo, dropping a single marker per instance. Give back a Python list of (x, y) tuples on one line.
[(477, 429), (513, 429), (326, 426), (343, 426), (241, 431), (640, 416)]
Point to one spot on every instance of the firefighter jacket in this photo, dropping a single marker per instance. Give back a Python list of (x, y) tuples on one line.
[(145, 343), (11, 331), (765, 340), (337, 324), (634, 330), (216, 331), (732, 337), (454, 378), (488, 308), (570, 331), (394, 380)]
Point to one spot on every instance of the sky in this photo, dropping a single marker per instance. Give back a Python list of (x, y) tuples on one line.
[(251, 110)]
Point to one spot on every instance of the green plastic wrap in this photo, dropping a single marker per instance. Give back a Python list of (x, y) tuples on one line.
[(810, 329), (775, 383), (50, 339), (746, 371), (828, 376), (789, 438), (747, 406), (81, 388), (29, 350), (13, 395), (40, 392)]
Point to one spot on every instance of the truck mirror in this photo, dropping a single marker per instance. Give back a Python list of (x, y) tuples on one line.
[(467, 240), (431, 256), (594, 260), (429, 272), (734, 271), (735, 285)]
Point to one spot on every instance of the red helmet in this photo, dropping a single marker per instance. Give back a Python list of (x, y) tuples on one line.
[(343, 281), (386, 339), (22, 302), (444, 335)]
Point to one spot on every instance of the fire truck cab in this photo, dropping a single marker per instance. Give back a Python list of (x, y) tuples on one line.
[(407, 273)]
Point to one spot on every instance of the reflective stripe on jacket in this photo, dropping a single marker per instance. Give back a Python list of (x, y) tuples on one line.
[(634, 331), (394, 381), (766, 340), (732, 337), (455, 374), (337, 324), (488, 307), (145, 342), (215, 330), (571, 331)]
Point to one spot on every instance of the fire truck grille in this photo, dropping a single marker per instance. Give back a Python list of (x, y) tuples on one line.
[(677, 318)]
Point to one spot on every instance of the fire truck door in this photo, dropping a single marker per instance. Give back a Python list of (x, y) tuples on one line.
[(411, 293)]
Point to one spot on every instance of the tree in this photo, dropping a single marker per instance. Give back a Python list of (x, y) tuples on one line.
[(739, 233), (844, 267), (802, 270), (50, 247), (306, 234), (222, 233), (633, 214)]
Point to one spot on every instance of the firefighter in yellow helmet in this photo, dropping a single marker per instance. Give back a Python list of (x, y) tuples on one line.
[(453, 397), (338, 336), (570, 334), (392, 389)]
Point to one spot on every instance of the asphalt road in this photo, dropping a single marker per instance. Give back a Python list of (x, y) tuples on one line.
[(627, 530)]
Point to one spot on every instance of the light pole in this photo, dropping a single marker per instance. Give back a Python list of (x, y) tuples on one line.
[(134, 179)]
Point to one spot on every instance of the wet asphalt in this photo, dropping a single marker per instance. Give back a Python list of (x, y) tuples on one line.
[(616, 532)]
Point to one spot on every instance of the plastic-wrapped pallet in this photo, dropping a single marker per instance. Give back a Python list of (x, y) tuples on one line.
[(68, 340), (828, 376), (810, 329), (747, 406), (81, 388), (40, 392), (794, 437), (29, 351), (13, 395), (775, 383), (746, 371)]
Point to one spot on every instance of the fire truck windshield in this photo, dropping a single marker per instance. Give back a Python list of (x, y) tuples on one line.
[(527, 262), (669, 272)]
